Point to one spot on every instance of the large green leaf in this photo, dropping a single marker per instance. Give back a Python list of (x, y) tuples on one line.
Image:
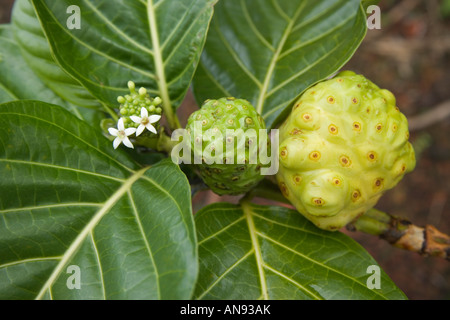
[(18, 81), (155, 43), (269, 51), (67, 198), (36, 51), (260, 252)]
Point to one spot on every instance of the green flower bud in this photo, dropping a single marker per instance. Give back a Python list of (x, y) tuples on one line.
[(131, 108)]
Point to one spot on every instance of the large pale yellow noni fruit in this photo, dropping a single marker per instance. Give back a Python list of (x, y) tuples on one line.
[(344, 144)]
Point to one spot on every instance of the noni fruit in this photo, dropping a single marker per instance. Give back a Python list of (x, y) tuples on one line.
[(225, 137), (344, 144)]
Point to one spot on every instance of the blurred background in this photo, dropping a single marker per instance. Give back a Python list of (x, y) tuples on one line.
[(410, 56)]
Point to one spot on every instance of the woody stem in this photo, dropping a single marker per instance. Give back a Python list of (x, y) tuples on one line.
[(401, 233)]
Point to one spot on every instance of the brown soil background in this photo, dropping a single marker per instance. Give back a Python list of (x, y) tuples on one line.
[(410, 56)]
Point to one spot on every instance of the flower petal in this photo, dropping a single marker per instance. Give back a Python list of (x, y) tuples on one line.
[(144, 112), (154, 118), (128, 143), (130, 131), (151, 128), (135, 119), (113, 131), (120, 125), (139, 130), (117, 142)]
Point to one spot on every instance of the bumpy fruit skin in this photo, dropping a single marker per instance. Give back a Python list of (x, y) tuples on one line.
[(234, 175), (344, 144)]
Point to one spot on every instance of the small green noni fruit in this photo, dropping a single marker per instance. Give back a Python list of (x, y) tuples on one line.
[(343, 145), (224, 141)]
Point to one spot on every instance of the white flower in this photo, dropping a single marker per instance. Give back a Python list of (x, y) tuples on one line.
[(122, 134), (145, 122)]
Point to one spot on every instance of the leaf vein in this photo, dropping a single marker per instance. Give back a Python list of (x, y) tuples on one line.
[(87, 229), (318, 263)]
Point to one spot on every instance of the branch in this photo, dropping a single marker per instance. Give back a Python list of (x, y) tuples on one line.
[(436, 114), (401, 233)]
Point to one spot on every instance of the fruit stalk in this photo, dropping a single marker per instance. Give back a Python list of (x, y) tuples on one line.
[(401, 233)]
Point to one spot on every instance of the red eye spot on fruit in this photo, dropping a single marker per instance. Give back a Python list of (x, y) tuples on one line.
[(356, 126), (318, 202), (331, 100), (354, 100), (295, 131), (297, 179), (379, 127), (307, 117), (284, 153), (284, 189), (356, 195), (345, 161), (378, 183), (315, 155), (372, 156), (333, 129)]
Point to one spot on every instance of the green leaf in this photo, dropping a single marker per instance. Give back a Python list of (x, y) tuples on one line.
[(445, 8), (155, 43), (19, 82), (260, 252), (36, 52), (69, 199), (367, 3), (269, 52)]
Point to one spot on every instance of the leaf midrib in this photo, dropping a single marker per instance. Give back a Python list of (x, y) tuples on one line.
[(255, 244), (159, 62), (70, 252), (265, 87)]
